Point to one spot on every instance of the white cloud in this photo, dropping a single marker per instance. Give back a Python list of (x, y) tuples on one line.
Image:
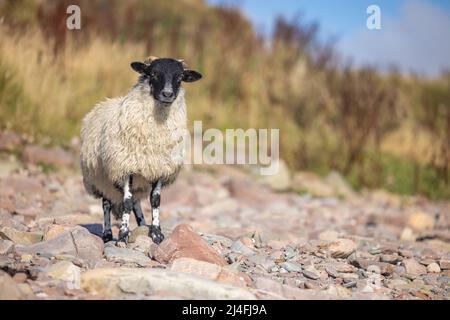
[(416, 41)]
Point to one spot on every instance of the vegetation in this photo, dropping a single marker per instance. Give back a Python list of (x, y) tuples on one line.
[(380, 130)]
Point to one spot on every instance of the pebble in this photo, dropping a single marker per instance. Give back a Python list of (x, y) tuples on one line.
[(310, 275), (413, 267), (292, 266), (390, 258), (433, 268)]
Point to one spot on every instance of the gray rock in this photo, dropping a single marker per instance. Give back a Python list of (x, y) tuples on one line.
[(124, 255), (332, 271), (20, 237), (77, 242), (123, 282), (212, 238), (6, 246), (239, 247), (390, 258), (310, 275), (292, 266), (66, 271)]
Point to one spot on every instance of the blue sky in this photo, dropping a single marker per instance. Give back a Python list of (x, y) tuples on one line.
[(415, 33)]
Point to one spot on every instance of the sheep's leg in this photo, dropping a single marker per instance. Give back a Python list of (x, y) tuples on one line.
[(138, 213), (107, 233), (128, 206), (155, 199)]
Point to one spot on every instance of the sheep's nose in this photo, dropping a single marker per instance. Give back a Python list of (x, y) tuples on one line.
[(167, 93)]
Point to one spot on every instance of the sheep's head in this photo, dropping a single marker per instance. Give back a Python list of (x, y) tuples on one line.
[(164, 76)]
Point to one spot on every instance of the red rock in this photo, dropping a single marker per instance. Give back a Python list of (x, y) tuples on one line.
[(185, 242), (53, 156), (413, 267), (211, 271), (444, 264)]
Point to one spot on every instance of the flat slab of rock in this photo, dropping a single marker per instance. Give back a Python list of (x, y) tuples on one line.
[(9, 290), (185, 242), (211, 271), (123, 282), (124, 255), (65, 270), (20, 237), (78, 242)]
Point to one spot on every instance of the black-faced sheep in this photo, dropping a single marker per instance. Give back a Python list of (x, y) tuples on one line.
[(127, 144)]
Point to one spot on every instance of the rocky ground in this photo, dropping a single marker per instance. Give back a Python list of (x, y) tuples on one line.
[(229, 235)]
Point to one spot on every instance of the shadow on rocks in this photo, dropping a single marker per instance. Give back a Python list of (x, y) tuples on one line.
[(94, 228)]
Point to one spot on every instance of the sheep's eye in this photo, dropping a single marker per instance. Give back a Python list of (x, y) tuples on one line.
[(153, 76)]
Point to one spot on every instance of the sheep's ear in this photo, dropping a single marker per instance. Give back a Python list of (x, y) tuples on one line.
[(191, 75), (139, 67)]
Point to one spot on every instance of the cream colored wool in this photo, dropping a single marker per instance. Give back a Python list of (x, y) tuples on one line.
[(132, 135)]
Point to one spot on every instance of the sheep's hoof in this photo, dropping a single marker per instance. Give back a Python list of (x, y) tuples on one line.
[(107, 236), (123, 236), (156, 234)]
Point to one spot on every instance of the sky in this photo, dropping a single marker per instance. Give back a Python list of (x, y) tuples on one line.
[(414, 34)]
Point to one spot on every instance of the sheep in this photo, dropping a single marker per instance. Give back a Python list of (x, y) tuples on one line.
[(127, 144)]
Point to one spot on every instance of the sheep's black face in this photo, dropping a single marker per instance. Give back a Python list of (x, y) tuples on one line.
[(165, 76)]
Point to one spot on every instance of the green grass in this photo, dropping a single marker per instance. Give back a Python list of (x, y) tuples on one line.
[(399, 175)]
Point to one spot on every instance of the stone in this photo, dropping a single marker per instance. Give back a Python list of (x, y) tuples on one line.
[(374, 269), (407, 235), (277, 244), (332, 271), (7, 220), (444, 264), (124, 255), (433, 268), (276, 290), (342, 248), (142, 244), (78, 242), (139, 231), (20, 277), (66, 271), (421, 221), (26, 258), (239, 247), (54, 230), (6, 246), (123, 282), (312, 184), (292, 266), (390, 258), (20, 237), (311, 275), (414, 268), (281, 180), (340, 186), (55, 156), (211, 271), (185, 242), (329, 235), (9, 289)]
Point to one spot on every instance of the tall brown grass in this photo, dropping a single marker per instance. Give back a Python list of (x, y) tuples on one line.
[(331, 116)]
